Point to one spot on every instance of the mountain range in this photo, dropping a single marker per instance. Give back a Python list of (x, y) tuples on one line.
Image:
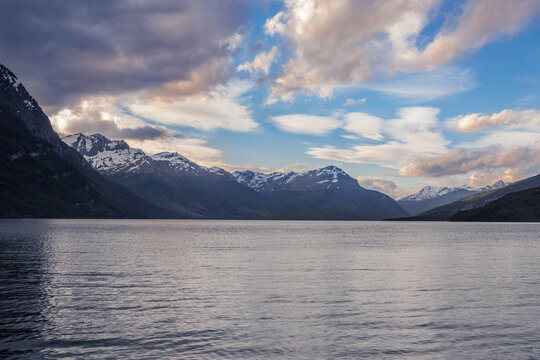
[(515, 206), (475, 201), (430, 197), (91, 176), (180, 185), (40, 176)]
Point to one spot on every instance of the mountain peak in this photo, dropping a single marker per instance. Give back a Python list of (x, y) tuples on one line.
[(9, 77), (102, 153), (17, 99)]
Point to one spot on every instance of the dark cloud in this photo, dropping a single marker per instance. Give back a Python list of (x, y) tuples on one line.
[(111, 130), (459, 161), (95, 117), (63, 50)]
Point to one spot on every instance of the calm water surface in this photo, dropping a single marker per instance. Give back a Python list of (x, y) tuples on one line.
[(234, 289)]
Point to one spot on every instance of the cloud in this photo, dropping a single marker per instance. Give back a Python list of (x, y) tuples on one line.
[(199, 80), (220, 108), (351, 102), (192, 148), (482, 21), (460, 161), (80, 49), (99, 115), (104, 116), (266, 170), (413, 133), (346, 42), (425, 86), (306, 124), (385, 186), (365, 125), (485, 177), (504, 119), (503, 138), (261, 62)]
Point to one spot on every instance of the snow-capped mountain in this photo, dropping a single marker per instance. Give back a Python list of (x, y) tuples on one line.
[(44, 177), (498, 185), (264, 182), (18, 100), (176, 183), (430, 197), (325, 193), (326, 177), (169, 179), (103, 154), (430, 192)]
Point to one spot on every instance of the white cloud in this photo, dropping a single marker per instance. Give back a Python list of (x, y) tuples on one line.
[(414, 133), (529, 119), (221, 108), (425, 86), (345, 42), (350, 137), (351, 102), (99, 114), (478, 179), (385, 186), (261, 62), (365, 125), (192, 148), (482, 21), (460, 161), (503, 138), (306, 124), (275, 25)]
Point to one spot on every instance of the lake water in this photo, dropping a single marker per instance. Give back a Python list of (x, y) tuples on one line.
[(269, 289)]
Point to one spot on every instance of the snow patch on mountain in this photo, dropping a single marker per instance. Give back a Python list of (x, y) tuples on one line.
[(10, 77), (258, 181), (104, 154), (176, 161), (261, 181), (431, 192)]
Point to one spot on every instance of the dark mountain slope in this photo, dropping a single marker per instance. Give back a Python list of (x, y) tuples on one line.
[(23, 117), (517, 206), (37, 182), (444, 213), (430, 197), (327, 193), (417, 207), (170, 180)]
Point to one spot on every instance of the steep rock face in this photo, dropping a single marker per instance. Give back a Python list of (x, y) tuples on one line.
[(325, 193), (170, 180), (20, 109), (15, 98), (36, 182)]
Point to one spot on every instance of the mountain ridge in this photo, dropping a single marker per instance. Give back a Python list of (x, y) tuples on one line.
[(192, 189), (477, 200), (430, 197), (23, 118)]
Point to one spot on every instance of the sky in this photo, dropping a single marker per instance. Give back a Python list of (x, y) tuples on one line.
[(399, 94)]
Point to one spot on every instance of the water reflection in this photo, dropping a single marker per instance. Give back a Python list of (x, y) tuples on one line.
[(24, 302), (225, 289)]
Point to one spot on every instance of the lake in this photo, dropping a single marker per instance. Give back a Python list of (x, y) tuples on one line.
[(268, 289)]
